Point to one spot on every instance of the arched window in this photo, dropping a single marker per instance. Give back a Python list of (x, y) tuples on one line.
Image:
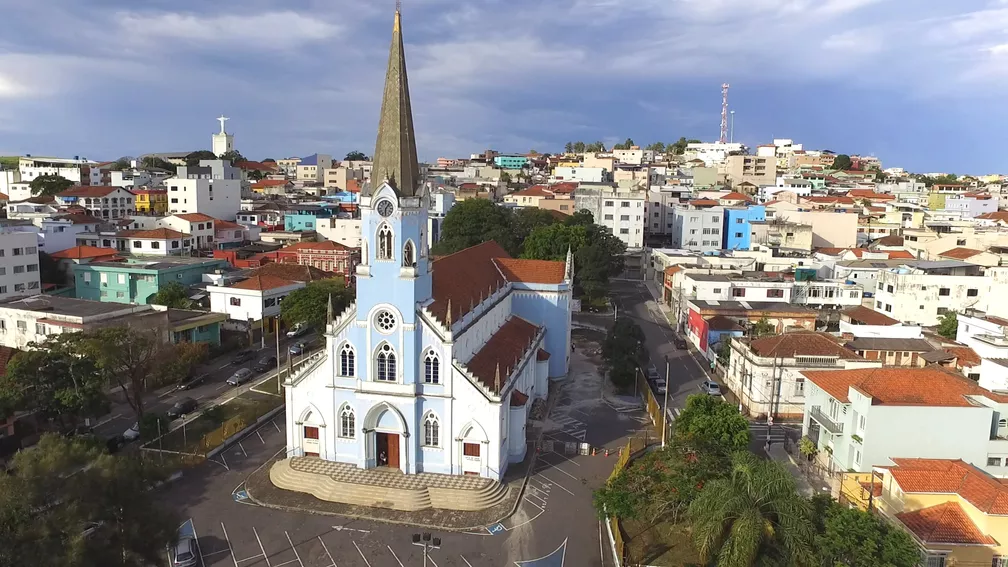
[(408, 259), (385, 243), (431, 431), (432, 368), (347, 361), (385, 364), (347, 422)]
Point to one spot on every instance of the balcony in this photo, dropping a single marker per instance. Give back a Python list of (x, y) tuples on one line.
[(835, 428)]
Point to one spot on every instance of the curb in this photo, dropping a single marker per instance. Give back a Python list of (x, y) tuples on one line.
[(248, 429)]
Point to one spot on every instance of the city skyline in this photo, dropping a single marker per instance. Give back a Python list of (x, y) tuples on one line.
[(104, 79)]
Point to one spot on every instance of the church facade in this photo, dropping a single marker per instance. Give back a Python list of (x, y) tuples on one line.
[(436, 365)]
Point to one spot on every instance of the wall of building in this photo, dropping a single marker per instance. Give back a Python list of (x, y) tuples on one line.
[(737, 227), (19, 264), (829, 230)]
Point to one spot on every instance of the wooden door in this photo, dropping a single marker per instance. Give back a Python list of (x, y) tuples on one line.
[(310, 445), (471, 460), (393, 451)]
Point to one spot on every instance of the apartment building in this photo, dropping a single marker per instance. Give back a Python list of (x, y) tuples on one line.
[(698, 229), (779, 234), (138, 282), (252, 299), (923, 292), (212, 188), (738, 225), (829, 229), (19, 264), (312, 168), (101, 201), (713, 153), (30, 167), (151, 201), (751, 169), (582, 174), (970, 205), (622, 212)]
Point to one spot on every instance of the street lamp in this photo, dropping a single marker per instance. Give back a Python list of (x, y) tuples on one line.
[(427, 542)]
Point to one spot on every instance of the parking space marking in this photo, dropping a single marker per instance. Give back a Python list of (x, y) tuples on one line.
[(260, 436), (554, 483), (296, 554), (276, 426), (557, 468), (431, 560), (361, 553), (331, 560), (261, 548), (243, 449), (466, 560), (228, 540), (394, 555)]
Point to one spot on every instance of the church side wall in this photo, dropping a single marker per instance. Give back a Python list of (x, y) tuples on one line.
[(552, 310)]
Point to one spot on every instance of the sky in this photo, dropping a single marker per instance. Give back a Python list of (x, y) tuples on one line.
[(919, 83)]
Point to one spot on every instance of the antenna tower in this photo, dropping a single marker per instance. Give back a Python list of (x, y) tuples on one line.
[(724, 113)]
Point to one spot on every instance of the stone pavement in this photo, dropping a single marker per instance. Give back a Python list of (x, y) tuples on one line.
[(806, 486), (385, 477)]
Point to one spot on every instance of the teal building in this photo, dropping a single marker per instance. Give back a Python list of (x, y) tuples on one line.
[(137, 282)]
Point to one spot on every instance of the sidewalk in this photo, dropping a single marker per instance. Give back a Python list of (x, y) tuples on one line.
[(805, 486)]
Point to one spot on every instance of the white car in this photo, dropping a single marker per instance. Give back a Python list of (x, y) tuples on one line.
[(133, 433), (710, 387), (297, 330)]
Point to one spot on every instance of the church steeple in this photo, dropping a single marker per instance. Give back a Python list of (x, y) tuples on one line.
[(395, 155)]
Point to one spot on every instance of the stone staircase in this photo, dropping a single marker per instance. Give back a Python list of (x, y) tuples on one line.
[(410, 497)]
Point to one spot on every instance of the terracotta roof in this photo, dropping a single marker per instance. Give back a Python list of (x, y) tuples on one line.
[(270, 183), (672, 270), (944, 524), (292, 272), (966, 356), (900, 255), (563, 188), (196, 217), (156, 233), (800, 343), (868, 316), (503, 351), (353, 186), (869, 194), (255, 165), (874, 487), (736, 196), (219, 224), (826, 200), (542, 355), (890, 344), (704, 203), (960, 253), (89, 191), (324, 245), (80, 252), (533, 191), (948, 476), (79, 218), (263, 283), (532, 271), (518, 399), (722, 323), (858, 252), (928, 386), (149, 191), (994, 215), (891, 240), (4, 197), (464, 278)]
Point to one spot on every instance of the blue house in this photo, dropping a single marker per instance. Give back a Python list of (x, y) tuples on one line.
[(511, 162), (305, 217), (737, 230)]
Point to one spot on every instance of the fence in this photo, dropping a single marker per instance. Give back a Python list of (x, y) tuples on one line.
[(633, 447), (652, 405)]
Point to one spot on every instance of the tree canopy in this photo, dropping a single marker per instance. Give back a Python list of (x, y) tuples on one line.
[(63, 485), (852, 538), (309, 304), (356, 156), (842, 161), (624, 352), (195, 157), (151, 162), (121, 164), (173, 295), (709, 419), (49, 185), (233, 156), (658, 147), (679, 146), (474, 221), (629, 143), (948, 325)]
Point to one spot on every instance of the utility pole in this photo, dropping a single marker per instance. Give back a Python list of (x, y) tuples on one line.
[(276, 327), (427, 542), (664, 418)]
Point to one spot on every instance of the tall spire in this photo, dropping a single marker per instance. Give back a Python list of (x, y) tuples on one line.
[(395, 155)]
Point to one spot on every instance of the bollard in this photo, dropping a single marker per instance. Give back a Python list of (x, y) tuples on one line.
[(607, 452), (593, 451)]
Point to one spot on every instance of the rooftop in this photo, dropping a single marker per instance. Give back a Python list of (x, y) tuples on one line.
[(867, 316), (67, 306), (196, 217), (155, 233), (502, 352), (947, 476), (89, 191), (755, 306), (960, 253), (928, 386), (263, 283), (890, 344), (800, 343), (292, 272), (83, 252)]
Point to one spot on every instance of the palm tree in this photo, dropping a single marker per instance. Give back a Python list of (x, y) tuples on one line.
[(751, 514)]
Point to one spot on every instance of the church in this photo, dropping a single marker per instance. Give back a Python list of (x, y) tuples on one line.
[(436, 365)]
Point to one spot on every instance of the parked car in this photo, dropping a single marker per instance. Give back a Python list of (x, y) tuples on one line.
[(652, 373), (266, 363), (680, 343), (710, 387), (241, 376), (185, 553), (192, 381), (243, 356), (298, 330), (90, 528), (181, 407), (133, 433), (298, 349), (114, 443), (660, 388)]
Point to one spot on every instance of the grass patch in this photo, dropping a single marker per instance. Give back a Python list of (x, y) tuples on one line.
[(216, 424), (665, 544)]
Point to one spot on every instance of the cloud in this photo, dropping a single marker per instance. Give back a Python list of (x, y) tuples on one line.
[(268, 30)]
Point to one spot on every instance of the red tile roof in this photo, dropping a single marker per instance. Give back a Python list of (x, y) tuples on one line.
[(995, 215), (900, 255), (503, 351), (327, 245), (79, 218), (948, 476), (270, 183), (6, 353), (81, 252), (149, 191), (704, 203), (4, 197), (671, 270), (256, 165), (518, 399), (868, 316), (944, 524), (353, 186), (828, 200), (227, 225), (929, 386), (736, 196), (464, 278), (533, 191), (293, 272), (960, 253), (542, 355), (800, 343), (532, 271), (966, 356), (196, 217), (89, 191), (156, 233), (263, 283), (869, 194), (563, 188)]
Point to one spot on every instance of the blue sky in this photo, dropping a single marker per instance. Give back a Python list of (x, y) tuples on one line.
[(919, 83)]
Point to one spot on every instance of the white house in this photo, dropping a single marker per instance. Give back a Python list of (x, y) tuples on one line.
[(252, 299), (102, 202), (154, 242), (923, 293)]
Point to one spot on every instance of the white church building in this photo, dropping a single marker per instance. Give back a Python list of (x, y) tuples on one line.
[(436, 365)]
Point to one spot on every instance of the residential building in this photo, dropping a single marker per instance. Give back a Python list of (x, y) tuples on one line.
[(826, 294), (78, 255), (557, 197), (30, 167), (780, 234), (660, 208), (343, 229), (510, 161), (751, 169), (344, 178), (892, 351), (102, 202), (252, 299), (582, 174), (971, 255), (273, 187), (328, 256), (622, 212), (737, 225), (151, 201), (865, 272), (970, 205), (783, 316), (764, 373), (924, 291), (861, 321), (711, 154), (138, 281), (313, 167), (33, 319), (19, 264), (305, 216), (829, 229), (698, 229), (288, 166), (229, 234), (863, 418), (213, 188), (154, 242)]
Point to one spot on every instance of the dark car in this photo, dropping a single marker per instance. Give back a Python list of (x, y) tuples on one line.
[(266, 363), (114, 443), (192, 381), (240, 376), (679, 342), (297, 349), (181, 407), (243, 356)]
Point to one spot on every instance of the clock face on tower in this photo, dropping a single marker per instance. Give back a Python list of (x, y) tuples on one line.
[(384, 207)]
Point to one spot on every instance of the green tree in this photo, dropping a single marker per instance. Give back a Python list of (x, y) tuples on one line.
[(121, 164), (151, 162), (709, 419), (657, 147), (752, 515), (475, 221), (579, 147), (255, 175), (724, 351), (194, 158), (62, 485), (505, 178), (849, 537), (552, 242), (233, 156), (308, 304), (595, 147), (54, 381), (355, 156), (600, 259), (568, 148), (624, 352), (49, 185), (50, 271), (583, 217), (842, 161), (526, 220), (679, 147), (625, 145), (172, 294), (762, 328), (948, 325)]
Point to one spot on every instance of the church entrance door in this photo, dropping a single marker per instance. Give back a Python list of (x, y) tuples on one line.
[(388, 450)]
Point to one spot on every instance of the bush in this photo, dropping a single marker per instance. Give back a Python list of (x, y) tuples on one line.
[(149, 426)]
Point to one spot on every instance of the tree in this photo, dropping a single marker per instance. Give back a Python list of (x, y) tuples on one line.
[(151, 162), (194, 158), (309, 304), (505, 178), (569, 148), (595, 147), (597, 261), (553, 241), (50, 271), (710, 419), (49, 185), (54, 381), (60, 486), (475, 221), (625, 145), (121, 164), (948, 325), (356, 156), (623, 351), (752, 515), (762, 328), (679, 147), (842, 161), (853, 538), (255, 175), (233, 156), (656, 147), (724, 351), (173, 295), (583, 217), (579, 147), (526, 220)]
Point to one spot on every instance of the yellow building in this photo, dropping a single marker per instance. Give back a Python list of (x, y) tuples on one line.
[(151, 201)]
